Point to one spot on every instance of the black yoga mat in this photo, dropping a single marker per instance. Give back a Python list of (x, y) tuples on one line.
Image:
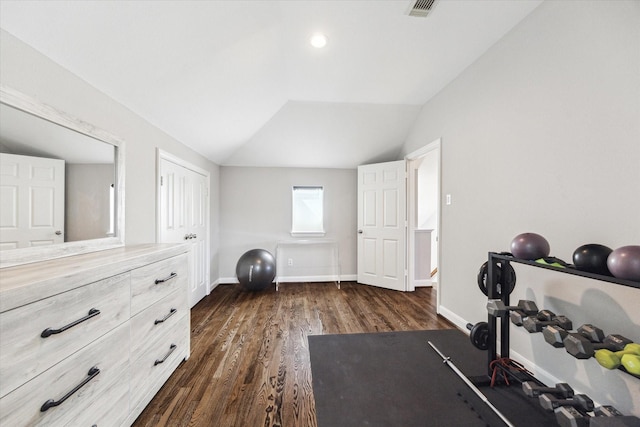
[(395, 379)]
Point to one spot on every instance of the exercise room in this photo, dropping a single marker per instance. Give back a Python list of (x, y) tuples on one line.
[(320, 213)]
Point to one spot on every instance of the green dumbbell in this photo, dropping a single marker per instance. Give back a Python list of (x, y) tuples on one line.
[(612, 360), (631, 363)]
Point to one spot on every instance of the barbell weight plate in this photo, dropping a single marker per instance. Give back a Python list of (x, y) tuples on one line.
[(479, 335), (509, 278)]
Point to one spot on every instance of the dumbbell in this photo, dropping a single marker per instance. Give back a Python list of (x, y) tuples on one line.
[(555, 335), (518, 317), (631, 363), (496, 307), (532, 389), (579, 401), (568, 416), (535, 324), (612, 360), (581, 348)]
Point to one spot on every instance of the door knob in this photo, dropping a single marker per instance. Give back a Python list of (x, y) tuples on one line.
[(360, 232), (58, 233), (187, 236)]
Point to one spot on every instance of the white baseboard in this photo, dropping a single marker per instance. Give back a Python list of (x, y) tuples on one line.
[(213, 285), (320, 278), (453, 318), (422, 283), (291, 279)]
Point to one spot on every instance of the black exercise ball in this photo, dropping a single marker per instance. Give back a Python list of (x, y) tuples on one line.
[(256, 269), (624, 263), (530, 246), (592, 258)]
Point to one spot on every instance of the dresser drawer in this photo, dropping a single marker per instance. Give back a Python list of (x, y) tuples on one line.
[(156, 320), (103, 399), (157, 359), (155, 281), (25, 348)]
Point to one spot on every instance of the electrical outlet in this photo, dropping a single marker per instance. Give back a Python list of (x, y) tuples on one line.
[(290, 262)]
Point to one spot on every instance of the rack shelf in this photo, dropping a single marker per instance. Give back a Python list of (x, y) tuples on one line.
[(572, 271)]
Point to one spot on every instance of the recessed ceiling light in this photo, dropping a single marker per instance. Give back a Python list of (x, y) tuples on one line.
[(318, 40)]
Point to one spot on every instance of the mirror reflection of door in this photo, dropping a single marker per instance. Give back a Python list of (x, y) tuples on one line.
[(88, 172), (32, 199)]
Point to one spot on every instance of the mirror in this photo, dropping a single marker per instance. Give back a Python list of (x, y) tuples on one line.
[(61, 183)]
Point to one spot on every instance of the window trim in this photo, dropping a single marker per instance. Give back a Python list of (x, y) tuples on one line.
[(307, 233)]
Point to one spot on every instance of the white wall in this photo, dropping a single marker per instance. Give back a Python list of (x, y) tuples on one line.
[(86, 202), (26, 70), (256, 213), (542, 134)]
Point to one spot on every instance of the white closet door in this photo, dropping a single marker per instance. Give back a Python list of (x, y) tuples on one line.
[(184, 200)]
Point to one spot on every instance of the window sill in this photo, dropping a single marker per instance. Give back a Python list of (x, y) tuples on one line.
[(307, 234)]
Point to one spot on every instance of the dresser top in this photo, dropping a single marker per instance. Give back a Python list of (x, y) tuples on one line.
[(24, 284)]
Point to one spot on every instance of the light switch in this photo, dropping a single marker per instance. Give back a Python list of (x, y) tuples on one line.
[(448, 199)]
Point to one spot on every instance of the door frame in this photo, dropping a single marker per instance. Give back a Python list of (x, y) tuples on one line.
[(165, 155), (411, 204)]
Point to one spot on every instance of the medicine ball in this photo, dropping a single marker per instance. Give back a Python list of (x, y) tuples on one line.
[(530, 246), (624, 263), (592, 258)]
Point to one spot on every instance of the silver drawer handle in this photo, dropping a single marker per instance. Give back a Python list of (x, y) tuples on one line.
[(48, 332), (93, 372), (166, 279), (171, 313), (171, 349)]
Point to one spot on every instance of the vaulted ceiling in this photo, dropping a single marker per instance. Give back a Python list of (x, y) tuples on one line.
[(238, 81)]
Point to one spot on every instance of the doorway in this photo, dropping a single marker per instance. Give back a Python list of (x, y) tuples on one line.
[(423, 199)]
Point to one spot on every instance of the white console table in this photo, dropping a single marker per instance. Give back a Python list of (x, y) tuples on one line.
[(300, 243)]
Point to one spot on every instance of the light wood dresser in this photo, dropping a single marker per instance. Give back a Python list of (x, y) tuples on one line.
[(88, 340)]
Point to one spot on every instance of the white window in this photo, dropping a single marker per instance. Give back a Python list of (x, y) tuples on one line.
[(307, 213)]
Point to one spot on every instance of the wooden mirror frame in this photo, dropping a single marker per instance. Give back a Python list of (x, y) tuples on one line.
[(22, 102)]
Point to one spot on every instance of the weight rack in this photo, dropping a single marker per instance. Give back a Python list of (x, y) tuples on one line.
[(492, 293)]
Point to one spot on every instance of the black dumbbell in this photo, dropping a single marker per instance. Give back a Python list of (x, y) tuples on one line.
[(581, 348), (517, 317), (579, 401), (546, 315), (568, 416), (534, 324), (532, 389), (496, 307), (555, 335)]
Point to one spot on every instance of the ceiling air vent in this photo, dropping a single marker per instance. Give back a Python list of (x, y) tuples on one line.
[(422, 8)]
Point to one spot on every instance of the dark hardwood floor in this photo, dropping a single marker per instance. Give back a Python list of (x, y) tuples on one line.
[(249, 363)]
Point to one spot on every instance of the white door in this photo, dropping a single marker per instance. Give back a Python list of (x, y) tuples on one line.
[(382, 225), (32, 200), (183, 218)]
